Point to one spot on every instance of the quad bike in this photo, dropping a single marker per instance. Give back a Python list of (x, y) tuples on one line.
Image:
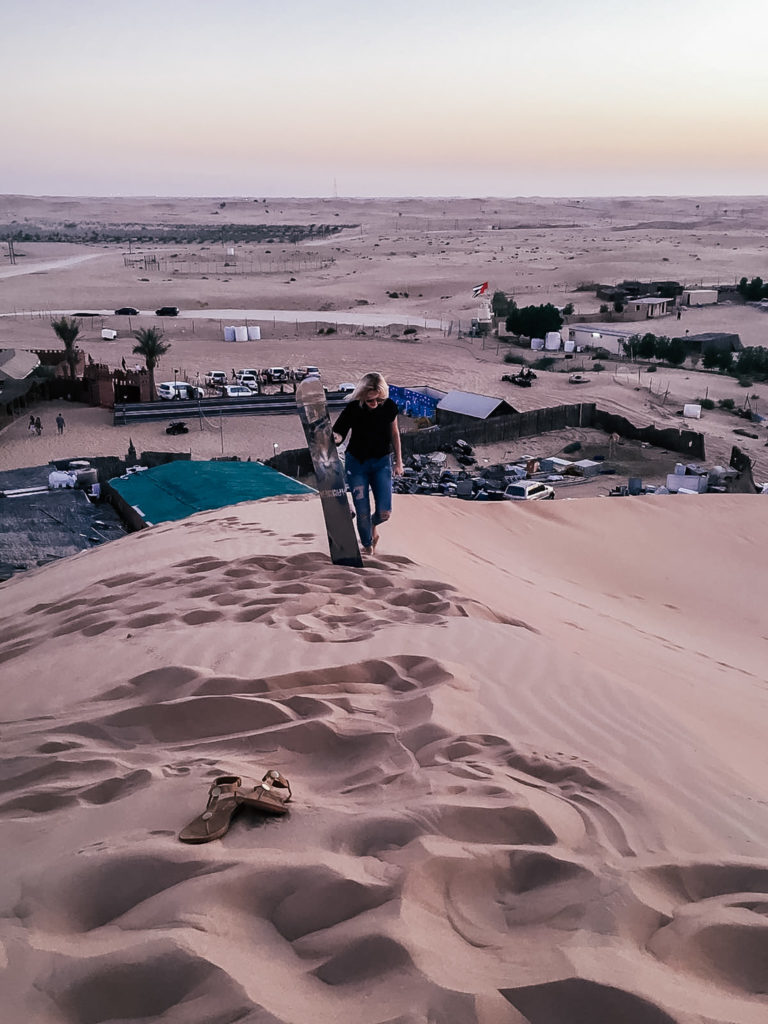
[(177, 427)]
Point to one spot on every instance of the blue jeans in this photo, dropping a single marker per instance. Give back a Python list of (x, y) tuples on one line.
[(362, 477)]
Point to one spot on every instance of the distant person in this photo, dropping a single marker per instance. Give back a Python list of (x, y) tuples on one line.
[(370, 417), (31, 425), (60, 424), (679, 314), (38, 426)]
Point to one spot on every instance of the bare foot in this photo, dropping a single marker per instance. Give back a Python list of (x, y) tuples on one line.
[(367, 551), (375, 538)]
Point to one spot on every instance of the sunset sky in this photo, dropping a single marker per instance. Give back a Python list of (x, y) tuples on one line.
[(401, 97)]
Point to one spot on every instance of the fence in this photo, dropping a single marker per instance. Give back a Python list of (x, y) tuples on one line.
[(500, 428), (297, 462), (687, 442)]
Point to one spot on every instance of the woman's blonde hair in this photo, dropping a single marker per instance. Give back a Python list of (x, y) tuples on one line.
[(370, 382)]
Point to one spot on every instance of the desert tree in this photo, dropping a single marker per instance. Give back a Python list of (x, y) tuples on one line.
[(151, 347), (67, 329)]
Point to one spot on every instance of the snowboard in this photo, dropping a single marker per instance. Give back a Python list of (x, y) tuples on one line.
[(316, 421)]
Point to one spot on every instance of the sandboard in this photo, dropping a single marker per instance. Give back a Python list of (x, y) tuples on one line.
[(316, 421)]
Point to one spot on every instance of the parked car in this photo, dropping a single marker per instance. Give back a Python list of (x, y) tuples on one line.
[(246, 372), (529, 490), (347, 388), (248, 380), (127, 311), (277, 374), (237, 391), (167, 311), (215, 378), (178, 389), (309, 371)]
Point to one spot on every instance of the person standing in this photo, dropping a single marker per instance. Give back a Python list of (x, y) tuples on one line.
[(60, 423), (31, 426), (38, 426), (370, 418)]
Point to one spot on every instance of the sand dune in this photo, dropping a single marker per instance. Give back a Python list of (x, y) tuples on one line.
[(526, 747)]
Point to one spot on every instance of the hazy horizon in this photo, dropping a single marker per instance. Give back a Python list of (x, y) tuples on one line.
[(404, 100)]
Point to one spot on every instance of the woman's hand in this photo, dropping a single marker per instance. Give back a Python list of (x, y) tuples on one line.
[(338, 438), (398, 468)]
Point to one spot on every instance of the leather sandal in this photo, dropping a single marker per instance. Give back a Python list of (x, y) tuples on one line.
[(263, 796), (215, 820)]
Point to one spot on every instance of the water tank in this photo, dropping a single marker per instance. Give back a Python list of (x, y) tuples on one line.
[(241, 334), (552, 341), (254, 334), (108, 334), (87, 477), (229, 334), (569, 346), (231, 250), (537, 344)]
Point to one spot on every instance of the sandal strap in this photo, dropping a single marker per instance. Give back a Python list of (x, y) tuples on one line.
[(225, 785), (274, 778)]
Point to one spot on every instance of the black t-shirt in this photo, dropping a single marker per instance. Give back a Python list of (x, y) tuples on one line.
[(371, 436)]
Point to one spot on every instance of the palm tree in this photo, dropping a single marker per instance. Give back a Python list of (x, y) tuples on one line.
[(149, 345), (67, 329)]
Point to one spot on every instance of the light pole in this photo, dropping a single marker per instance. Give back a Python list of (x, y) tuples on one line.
[(175, 375)]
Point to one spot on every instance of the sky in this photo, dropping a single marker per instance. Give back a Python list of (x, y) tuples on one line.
[(385, 98)]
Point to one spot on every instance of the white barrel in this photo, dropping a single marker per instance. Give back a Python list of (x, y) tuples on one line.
[(537, 344), (241, 334), (552, 341), (254, 334), (229, 334)]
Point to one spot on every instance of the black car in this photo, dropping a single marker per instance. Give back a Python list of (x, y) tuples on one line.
[(126, 311), (167, 311)]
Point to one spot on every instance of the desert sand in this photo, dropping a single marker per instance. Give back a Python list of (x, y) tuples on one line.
[(526, 744), (527, 750)]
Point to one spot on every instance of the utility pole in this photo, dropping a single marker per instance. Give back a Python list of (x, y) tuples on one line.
[(11, 252)]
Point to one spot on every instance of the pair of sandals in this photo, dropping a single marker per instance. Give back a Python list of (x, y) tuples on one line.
[(227, 795)]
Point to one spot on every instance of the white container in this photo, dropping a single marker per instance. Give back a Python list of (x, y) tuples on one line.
[(229, 334), (553, 341), (108, 334), (254, 334), (537, 344), (241, 334), (569, 346), (692, 412), (231, 251)]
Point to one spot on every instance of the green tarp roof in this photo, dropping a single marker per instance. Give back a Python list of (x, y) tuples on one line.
[(181, 488)]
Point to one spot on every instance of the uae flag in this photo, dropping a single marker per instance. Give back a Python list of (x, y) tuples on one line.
[(479, 289)]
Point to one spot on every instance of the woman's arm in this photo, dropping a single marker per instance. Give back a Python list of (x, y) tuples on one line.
[(341, 426), (398, 468)]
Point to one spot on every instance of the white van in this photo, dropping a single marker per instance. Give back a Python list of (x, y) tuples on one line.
[(215, 378), (178, 390)]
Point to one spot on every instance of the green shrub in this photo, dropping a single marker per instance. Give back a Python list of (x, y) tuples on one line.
[(745, 382), (513, 357), (726, 403), (651, 369), (706, 403), (410, 330), (543, 363), (598, 367)]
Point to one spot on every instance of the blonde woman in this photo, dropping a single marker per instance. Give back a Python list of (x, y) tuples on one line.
[(370, 417)]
